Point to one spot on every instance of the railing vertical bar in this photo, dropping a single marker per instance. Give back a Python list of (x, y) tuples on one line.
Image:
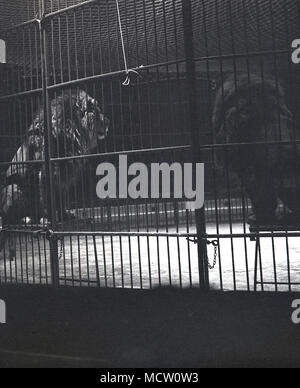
[(47, 134), (194, 122)]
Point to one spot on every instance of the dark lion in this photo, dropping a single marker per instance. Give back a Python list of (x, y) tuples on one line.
[(250, 109), (78, 124)]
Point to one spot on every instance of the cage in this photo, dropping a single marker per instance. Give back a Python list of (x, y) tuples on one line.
[(158, 81)]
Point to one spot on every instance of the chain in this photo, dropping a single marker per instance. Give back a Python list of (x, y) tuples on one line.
[(61, 249), (216, 245), (51, 236)]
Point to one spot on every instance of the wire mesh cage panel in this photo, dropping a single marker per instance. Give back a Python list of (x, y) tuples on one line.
[(172, 81)]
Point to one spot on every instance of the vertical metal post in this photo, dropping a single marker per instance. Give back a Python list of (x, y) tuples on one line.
[(48, 133), (195, 131)]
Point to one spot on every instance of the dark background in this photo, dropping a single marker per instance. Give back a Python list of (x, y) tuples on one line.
[(162, 329)]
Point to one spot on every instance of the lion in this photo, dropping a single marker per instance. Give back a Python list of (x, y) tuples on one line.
[(252, 109), (77, 126)]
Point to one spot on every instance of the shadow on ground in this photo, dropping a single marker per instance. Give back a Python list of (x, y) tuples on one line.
[(161, 328)]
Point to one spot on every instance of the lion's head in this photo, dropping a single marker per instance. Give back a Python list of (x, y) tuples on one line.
[(92, 118), (78, 124)]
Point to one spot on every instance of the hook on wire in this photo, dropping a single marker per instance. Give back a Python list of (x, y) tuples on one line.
[(128, 71), (129, 74)]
